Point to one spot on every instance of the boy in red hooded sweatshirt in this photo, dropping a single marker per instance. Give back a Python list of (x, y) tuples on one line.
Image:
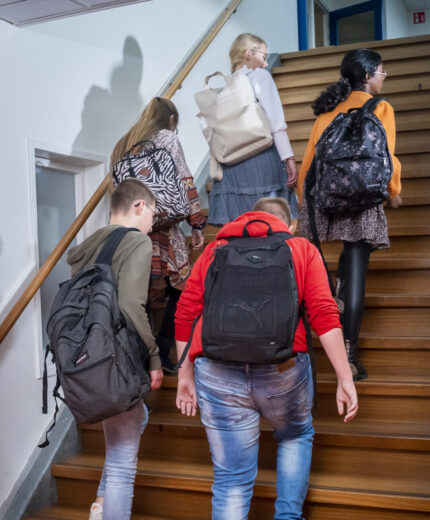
[(233, 396)]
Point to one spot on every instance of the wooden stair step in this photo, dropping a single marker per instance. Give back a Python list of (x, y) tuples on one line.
[(383, 365), (414, 166), (396, 300), (405, 484), (180, 434), (415, 191), (396, 434), (59, 512), (401, 102), (328, 75), (409, 220), (292, 95), (398, 256), (326, 57), (327, 386), (398, 288), (376, 342), (394, 402), (404, 253), (322, 503), (416, 141), (405, 122), (400, 321)]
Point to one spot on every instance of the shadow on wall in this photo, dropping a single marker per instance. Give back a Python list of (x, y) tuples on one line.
[(108, 113)]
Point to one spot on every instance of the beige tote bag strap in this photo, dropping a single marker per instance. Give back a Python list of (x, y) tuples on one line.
[(215, 169), (227, 79)]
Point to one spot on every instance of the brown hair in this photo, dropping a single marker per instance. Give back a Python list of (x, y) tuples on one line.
[(154, 118), (241, 44), (267, 204), (127, 193)]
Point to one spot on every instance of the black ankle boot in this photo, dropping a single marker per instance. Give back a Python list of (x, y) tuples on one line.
[(164, 346), (357, 369)]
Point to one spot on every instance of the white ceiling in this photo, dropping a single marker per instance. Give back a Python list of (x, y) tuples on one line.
[(25, 12)]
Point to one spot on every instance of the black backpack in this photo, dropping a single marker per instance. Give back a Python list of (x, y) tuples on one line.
[(352, 165), (101, 361), (251, 308)]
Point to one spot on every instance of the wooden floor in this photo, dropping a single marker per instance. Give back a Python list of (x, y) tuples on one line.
[(378, 466)]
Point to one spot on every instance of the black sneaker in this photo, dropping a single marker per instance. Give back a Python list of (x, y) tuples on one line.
[(168, 366)]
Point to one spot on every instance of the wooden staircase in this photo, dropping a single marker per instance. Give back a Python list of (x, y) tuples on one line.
[(378, 466)]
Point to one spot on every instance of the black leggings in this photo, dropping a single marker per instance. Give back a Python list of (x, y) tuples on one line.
[(167, 329), (356, 262)]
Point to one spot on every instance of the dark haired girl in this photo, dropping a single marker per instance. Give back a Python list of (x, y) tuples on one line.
[(362, 76)]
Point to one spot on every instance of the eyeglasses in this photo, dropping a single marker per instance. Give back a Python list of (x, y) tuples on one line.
[(382, 74), (152, 210), (261, 52)]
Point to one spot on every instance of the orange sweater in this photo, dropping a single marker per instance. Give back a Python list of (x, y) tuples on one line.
[(384, 111)]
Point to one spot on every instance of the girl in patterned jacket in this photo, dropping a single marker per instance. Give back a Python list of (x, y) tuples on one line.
[(170, 262)]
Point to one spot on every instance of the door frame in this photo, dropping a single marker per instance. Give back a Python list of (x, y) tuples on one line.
[(371, 5), (89, 170)]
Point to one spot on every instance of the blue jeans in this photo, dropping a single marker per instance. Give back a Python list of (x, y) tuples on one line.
[(231, 398), (122, 438)]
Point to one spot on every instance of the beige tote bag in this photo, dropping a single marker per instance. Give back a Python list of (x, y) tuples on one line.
[(234, 124)]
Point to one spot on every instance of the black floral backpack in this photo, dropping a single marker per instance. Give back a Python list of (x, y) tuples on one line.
[(155, 167), (352, 165), (351, 168)]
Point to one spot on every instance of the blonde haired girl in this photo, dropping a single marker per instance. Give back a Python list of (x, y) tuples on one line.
[(271, 173), (241, 45)]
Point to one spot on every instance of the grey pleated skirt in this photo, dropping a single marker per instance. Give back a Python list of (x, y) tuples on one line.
[(244, 183)]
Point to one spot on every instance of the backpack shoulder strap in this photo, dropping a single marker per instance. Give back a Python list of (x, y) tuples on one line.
[(108, 250), (283, 235), (372, 103)]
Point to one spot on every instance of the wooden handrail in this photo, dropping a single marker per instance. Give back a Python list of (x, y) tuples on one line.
[(80, 220), (52, 259)]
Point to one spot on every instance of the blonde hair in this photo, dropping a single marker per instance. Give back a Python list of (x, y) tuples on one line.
[(155, 117), (267, 203), (241, 44)]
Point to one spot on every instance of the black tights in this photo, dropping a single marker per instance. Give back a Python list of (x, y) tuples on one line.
[(166, 334), (356, 262)]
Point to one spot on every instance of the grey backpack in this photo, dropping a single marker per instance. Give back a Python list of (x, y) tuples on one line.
[(101, 361)]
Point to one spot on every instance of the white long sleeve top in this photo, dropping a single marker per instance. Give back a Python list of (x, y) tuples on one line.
[(268, 96)]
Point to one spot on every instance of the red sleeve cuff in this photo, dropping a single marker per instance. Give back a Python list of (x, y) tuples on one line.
[(327, 326), (183, 332)]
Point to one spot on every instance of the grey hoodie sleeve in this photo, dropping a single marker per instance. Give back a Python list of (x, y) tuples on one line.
[(133, 285)]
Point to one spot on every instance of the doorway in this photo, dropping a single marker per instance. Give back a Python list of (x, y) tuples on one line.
[(61, 182), (56, 189), (358, 23), (321, 25)]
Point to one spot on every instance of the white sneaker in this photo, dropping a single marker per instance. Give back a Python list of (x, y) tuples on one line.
[(96, 512)]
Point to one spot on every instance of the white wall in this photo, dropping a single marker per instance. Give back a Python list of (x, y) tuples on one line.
[(400, 23), (78, 84), (419, 28), (396, 19)]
